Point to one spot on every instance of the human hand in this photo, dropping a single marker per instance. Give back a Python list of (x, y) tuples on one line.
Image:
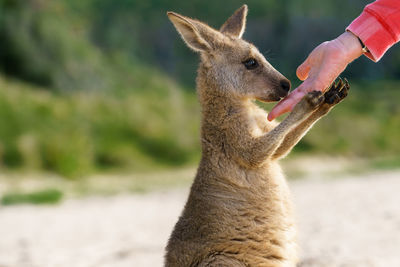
[(320, 69)]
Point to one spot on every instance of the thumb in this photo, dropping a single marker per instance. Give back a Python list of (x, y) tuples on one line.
[(303, 70)]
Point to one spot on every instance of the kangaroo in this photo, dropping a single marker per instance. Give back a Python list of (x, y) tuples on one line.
[(239, 211)]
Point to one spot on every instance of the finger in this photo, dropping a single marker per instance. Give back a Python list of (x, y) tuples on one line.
[(278, 110), (295, 98), (286, 104), (303, 70)]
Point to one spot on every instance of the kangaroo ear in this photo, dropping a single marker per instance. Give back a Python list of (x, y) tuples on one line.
[(236, 24), (195, 34)]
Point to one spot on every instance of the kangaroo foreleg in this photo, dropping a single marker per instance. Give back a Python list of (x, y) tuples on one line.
[(335, 94)]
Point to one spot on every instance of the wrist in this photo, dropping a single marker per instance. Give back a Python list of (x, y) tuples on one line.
[(351, 45)]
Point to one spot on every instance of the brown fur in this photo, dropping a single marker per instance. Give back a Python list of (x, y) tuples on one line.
[(239, 211)]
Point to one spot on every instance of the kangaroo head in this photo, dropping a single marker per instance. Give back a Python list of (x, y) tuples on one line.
[(229, 64)]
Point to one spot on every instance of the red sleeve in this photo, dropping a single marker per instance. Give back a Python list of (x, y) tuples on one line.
[(378, 27)]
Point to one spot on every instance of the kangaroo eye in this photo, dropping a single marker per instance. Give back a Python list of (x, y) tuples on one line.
[(250, 63)]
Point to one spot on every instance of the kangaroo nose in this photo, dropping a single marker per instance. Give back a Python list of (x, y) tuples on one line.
[(285, 85)]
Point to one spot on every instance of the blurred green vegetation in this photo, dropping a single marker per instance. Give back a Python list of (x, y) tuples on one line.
[(366, 124), (76, 133), (107, 85), (47, 196)]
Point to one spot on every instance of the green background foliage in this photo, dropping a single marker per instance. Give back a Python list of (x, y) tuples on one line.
[(104, 85), (48, 196)]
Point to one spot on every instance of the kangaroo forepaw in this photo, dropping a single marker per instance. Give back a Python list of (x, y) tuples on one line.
[(314, 99), (308, 104), (337, 92)]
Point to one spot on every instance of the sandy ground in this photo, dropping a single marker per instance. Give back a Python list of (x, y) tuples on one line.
[(353, 221)]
